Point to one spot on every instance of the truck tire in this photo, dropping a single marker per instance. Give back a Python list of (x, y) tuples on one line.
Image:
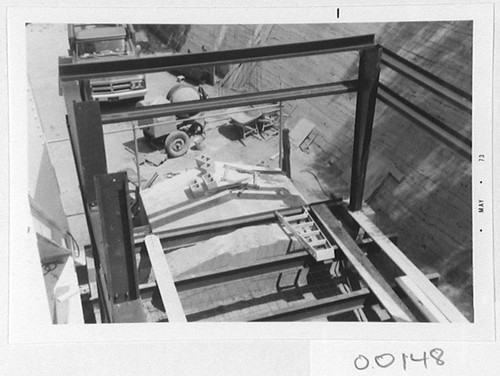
[(177, 144)]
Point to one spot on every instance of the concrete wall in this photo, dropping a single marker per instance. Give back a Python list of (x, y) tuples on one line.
[(417, 186)]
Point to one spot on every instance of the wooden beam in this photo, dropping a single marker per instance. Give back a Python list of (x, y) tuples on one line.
[(375, 281), (405, 264), (318, 256), (421, 301), (164, 279)]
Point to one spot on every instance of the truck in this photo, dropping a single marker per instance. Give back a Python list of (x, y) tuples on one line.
[(90, 42)]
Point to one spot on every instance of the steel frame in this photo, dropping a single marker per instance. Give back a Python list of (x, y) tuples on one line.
[(447, 135), (294, 261), (369, 71), (428, 80), (231, 101), (279, 263), (90, 164), (460, 99), (117, 236), (88, 70)]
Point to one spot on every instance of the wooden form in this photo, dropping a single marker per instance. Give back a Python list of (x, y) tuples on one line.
[(164, 279), (308, 234), (417, 277), (375, 281), (421, 301)]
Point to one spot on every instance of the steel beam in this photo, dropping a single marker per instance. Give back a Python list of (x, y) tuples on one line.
[(91, 154), (425, 79), (88, 70), (316, 308), (447, 135), (282, 263), (80, 149), (129, 312), (117, 236), (227, 224), (301, 92), (369, 71), (336, 233)]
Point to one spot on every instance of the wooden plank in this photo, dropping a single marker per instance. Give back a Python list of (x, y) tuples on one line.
[(299, 226), (297, 217), (251, 169), (294, 232), (405, 264), (316, 243), (300, 132), (375, 281), (164, 279), (421, 301)]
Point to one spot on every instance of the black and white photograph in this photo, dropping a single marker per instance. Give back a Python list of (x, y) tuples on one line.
[(266, 189), (252, 172)]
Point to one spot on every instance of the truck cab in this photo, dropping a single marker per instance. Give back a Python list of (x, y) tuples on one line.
[(106, 41)]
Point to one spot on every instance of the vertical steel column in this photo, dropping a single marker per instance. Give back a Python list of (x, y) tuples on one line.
[(117, 236), (136, 151), (369, 71), (91, 155), (87, 144), (285, 165)]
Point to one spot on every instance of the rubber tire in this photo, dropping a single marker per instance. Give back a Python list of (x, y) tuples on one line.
[(196, 128), (177, 144)]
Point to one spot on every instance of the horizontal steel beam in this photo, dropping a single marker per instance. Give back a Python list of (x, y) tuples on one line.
[(316, 308), (282, 263), (324, 307), (231, 101), (247, 220), (431, 82), (458, 142), (104, 68)]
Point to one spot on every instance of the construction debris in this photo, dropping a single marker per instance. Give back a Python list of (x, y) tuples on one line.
[(300, 132), (151, 180), (156, 158)]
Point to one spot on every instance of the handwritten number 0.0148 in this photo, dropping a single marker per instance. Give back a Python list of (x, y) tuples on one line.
[(387, 359)]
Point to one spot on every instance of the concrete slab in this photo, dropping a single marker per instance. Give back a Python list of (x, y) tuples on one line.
[(170, 205)]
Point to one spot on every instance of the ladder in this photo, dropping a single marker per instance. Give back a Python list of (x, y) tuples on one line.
[(303, 227)]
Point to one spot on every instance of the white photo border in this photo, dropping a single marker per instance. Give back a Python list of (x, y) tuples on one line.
[(23, 330)]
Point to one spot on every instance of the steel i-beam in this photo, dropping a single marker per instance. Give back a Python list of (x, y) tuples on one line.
[(88, 70), (117, 236), (369, 71), (90, 151)]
